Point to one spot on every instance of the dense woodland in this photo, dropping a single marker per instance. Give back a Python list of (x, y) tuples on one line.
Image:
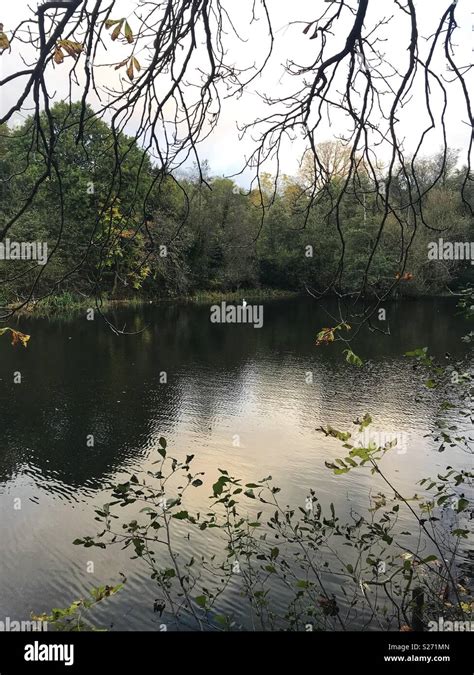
[(205, 233)]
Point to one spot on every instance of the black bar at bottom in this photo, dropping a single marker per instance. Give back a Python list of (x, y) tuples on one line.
[(115, 652)]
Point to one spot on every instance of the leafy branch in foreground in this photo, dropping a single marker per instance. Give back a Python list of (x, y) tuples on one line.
[(328, 335), (332, 574)]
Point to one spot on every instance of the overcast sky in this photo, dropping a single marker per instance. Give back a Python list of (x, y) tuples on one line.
[(224, 149)]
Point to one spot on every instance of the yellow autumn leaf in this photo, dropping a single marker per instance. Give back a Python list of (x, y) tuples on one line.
[(117, 29), (17, 336), (130, 70), (71, 47), (325, 336), (21, 338), (4, 41), (137, 65), (58, 55), (111, 22)]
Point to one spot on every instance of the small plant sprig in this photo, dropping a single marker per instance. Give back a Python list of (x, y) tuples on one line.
[(72, 618)]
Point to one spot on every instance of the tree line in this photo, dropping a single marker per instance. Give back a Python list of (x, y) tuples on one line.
[(118, 226)]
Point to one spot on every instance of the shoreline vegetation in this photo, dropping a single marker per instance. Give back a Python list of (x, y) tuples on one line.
[(66, 303)]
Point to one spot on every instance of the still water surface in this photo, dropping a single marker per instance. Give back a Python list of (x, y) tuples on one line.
[(223, 382)]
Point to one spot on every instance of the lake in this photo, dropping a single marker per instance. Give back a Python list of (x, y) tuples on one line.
[(238, 397)]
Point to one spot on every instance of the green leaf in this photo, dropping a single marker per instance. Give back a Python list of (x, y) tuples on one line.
[(201, 601), (162, 449), (363, 453), (366, 420), (460, 533), (417, 353), (340, 435), (462, 505), (218, 486), (128, 33), (352, 358), (181, 515), (172, 502)]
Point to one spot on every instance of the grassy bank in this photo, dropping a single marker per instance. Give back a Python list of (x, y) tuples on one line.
[(248, 294), (68, 304)]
